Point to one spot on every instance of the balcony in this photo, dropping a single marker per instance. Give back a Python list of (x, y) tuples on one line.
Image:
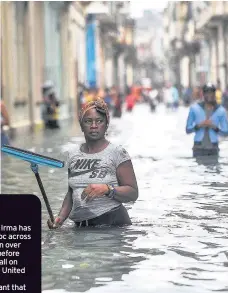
[(85, 3), (96, 8), (108, 27), (181, 47), (216, 11), (107, 22), (131, 54), (118, 48), (173, 31), (189, 48), (190, 32), (129, 51), (129, 22)]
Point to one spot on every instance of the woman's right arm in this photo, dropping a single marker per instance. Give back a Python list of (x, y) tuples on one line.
[(65, 209), (64, 212), (66, 206)]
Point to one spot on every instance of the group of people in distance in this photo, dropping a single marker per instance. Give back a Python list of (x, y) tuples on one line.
[(101, 175)]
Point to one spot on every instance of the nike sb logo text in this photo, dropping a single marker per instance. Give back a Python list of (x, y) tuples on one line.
[(84, 166)]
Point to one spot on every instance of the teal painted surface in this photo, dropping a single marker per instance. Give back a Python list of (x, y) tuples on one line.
[(53, 55)]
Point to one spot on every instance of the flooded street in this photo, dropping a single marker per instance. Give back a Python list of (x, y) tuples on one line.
[(179, 238)]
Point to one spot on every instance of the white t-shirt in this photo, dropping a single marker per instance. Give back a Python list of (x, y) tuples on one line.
[(98, 168)]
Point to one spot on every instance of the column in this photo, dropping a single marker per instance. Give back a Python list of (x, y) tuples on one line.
[(64, 52), (129, 71), (32, 65), (193, 71), (116, 70), (213, 45), (226, 51), (109, 72), (9, 78), (73, 67), (38, 56), (102, 62), (64, 49), (121, 73), (98, 55), (184, 71), (221, 56)]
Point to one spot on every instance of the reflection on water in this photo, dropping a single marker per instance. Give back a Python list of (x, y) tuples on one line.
[(178, 240), (89, 257)]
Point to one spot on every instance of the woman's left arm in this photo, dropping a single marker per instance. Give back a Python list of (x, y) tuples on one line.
[(128, 189), (223, 129), (126, 192)]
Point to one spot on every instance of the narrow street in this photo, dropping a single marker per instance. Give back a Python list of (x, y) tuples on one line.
[(180, 224)]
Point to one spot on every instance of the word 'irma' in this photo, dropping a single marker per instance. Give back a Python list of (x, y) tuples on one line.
[(15, 228)]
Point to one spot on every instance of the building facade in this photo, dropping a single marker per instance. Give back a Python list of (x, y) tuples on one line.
[(195, 42), (41, 41), (76, 54), (22, 47), (212, 24), (110, 45), (70, 43)]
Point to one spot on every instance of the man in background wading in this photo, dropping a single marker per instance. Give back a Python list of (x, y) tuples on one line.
[(209, 121)]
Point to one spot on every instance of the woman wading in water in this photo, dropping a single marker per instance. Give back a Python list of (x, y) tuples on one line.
[(100, 175)]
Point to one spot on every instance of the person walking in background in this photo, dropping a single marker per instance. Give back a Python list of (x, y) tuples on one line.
[(187, 96), (50, 112), (130, 100), (100, 93), (152, 99), (117, 102), (175, 97), (168, 96), (218, 93), (81, 95), (5, 121), (197, 94), (137, 92), (108, 98), (208, 120), (92, 94)]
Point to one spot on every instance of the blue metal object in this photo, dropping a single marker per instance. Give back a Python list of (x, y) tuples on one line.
[(32, 157), (34, 168), (35, 160), (91, 52)]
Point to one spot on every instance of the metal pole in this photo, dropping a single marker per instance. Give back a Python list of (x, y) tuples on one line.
[(34, 168)]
